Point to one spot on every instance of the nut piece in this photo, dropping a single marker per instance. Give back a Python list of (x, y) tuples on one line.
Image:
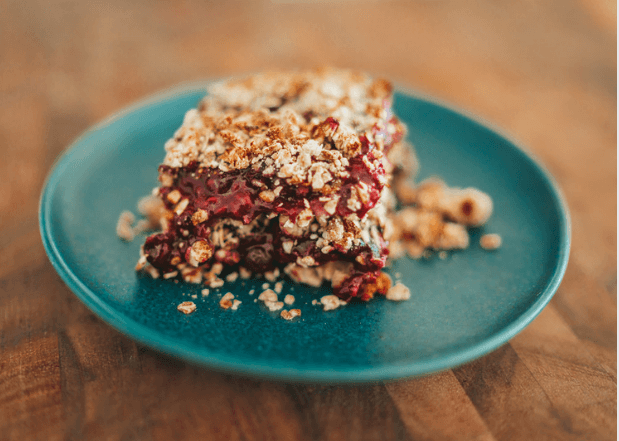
[(186, 307), (398, 293), (199, 216), (174, 196), (490, 241), (226, 301), (274, 306), (199, 253), (123, 226), (268, 296), (331, 302), (289, 299), (289, 315), (272, 276)]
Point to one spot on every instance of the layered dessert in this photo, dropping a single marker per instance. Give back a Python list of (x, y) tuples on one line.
[(292, 172)]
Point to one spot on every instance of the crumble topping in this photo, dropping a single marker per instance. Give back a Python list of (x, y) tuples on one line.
[(226, 301), (490, 241), (186, 307), (331, 302), (289, 315), (124, 226), (398, 293), (296, 171)]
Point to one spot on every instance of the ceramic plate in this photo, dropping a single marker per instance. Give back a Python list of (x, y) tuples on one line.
[(461, 307)]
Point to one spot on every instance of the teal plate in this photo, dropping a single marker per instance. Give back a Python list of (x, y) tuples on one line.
[(461, 308)]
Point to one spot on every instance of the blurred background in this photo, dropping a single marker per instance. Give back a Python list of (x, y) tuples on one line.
[(545, 71)]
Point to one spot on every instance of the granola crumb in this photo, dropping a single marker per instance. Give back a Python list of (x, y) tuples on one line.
[(272, 276), (289, 315), (265, 286), (314, 302), (141, 226), (153, 272), (124, 228), (235, 304), (398, 292), (278, 287), (274, 306), (268, 296), (244, 273), (490, 241), (289, 299), (216, 282), (194, 296), (170, 275), (252, 292), (442, 255), (226, 301), (232, 277), (330, 302), (205, 292), (187, 307)]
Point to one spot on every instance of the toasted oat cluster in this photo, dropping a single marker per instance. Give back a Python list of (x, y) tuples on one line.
[(292, 171)]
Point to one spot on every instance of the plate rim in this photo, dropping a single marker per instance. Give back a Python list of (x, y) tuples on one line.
[(262, 369)]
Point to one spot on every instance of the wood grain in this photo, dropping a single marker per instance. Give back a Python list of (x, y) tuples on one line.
[(543, 71)]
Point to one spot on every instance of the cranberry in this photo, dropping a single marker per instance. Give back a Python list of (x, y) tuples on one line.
[(259, 258)]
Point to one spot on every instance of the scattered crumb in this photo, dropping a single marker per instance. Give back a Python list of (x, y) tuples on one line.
[(398, 275), (216, 282), (245, 273), (194, 296), (124, 228), (186, 307), (274, 306), (235, 304), (490, 241), (251, 292), (141, 226), (398, 292), (278, 287), (205, 292), (289, 315), (289, 299), (170, 275), (442, 255), (152, 271), (331, 301), (226, 301), (232, 277), (265, 286), (314, 302), (268, 296), (272, 276)]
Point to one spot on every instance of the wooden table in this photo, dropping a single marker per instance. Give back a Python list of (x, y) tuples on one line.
[(545, 71)]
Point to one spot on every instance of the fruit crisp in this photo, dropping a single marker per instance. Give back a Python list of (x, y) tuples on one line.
[(293, 171)]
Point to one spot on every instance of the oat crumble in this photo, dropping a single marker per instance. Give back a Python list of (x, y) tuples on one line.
[(490, 241), (299, 171), (187, 307)]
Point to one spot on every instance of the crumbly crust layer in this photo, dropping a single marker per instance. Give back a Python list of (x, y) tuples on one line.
[(292, 171)]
